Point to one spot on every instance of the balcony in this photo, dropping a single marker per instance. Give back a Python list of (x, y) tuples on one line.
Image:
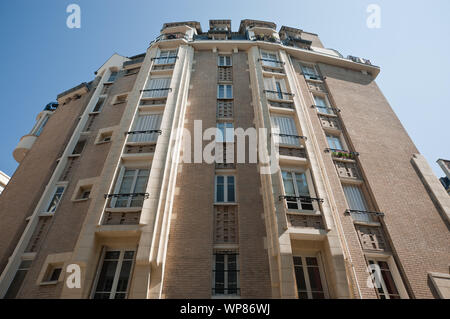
[(312, 76), (271, 65), (279, 96), (266, 38), (342, 154), (359, 60), (297, 42), (22, 148), (302, 202), (171, 36)]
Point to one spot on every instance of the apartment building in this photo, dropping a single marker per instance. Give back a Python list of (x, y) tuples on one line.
[(114, 197), (4, 179)]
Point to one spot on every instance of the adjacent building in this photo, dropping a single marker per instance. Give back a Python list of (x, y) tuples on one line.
[(4, 179), (115, 189)]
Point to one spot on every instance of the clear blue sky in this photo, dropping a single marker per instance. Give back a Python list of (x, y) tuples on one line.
[(41, 57)]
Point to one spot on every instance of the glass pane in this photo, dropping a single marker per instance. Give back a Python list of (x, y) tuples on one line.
[(314, 279), (300, 280), (229, 91), (311, 261), (220, 189), (128, 255), (112, 255), (221, 91), (106, 277), (302, 185), (99, 295), (288, 184), (124, 276), (230, 189), (387, 278)]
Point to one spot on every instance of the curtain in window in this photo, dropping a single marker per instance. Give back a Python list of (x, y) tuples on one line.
[(334, 142), (159, 87), (146, 123), (286, 125), (356, 201), (167, 57)]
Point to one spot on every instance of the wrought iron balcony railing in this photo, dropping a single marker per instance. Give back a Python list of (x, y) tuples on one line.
[(362, 212), (290, 135), (303, 199), (144, 132), (278, 95), (276, 62), (334, 109), (341, 153), (312, 76), (169, 59), (163, 92), (119, 195)]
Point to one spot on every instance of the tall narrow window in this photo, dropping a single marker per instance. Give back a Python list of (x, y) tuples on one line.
[(384, 280), (356, 201), (276, 88), (224, 60), (144, 124), (55, 199), (157, 87), (79, 147), (98, 107), (296, 187), (224, 91), (308, 277), (309, 72), (166, 57), (15, 285), (40, 126), (334, 142), (130, 188), (322, 105), (113, 76), (225, 133), (114, 275), (225, 273), (225, 189), (285, 127)]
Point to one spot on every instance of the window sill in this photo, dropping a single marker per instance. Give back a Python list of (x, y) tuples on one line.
[(123, 209), (225, 204), (46, 214), (303, 212), (48, 283), (94, 113), (373, 224), (80, 200), (73, 155)]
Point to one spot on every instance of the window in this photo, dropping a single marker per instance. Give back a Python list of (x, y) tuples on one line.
[(37, 129), (113, 76), (309, 71), (146, 123), (83, 192), (130, 181), (79, 147), (277, 88), (104, 137), (334, 142), (225, 189), (224, 60), (270, 59), (225, 133), (321, 103), (157, 87), (167, 57), (225, 273), (356, 201), (285, 127), (386, 287), (98, 107), (114, 276), (309, 278), (120, 99), (224, 91), (296, 185), (52, 274), (15, 285), (56, 199)]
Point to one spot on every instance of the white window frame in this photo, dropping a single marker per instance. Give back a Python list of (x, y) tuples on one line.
[(163, 60), (225, 288), (339, 138), (224, 57), (359, 217), (271, 55), (310, 184), (152, 84), (310, 66), (39, 126), (292, 129), (225, 91), (225, 188), (327, 111), (117, 272), (306, 274), (394, 273), (147, 138), (119, 181)]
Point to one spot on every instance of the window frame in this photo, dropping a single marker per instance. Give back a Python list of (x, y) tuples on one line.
[(50, 201), (398, 281), (119, 182), (152, 137), (225, 189), (309, 183), (320, 265), (225, 271), (118, 269), (319, 108), (225, 91), (167, 60), (284, 140), (225, 58), (308, 75), (270, 64)]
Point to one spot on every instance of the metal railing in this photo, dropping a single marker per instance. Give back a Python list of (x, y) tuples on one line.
[(163, 92), (168, 58), (326, 108), (119, 195), (341, 153), (290, 135), (280, 63), (144, 132), (362, 212), (312, 76), (278, 95), (303, 199)]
